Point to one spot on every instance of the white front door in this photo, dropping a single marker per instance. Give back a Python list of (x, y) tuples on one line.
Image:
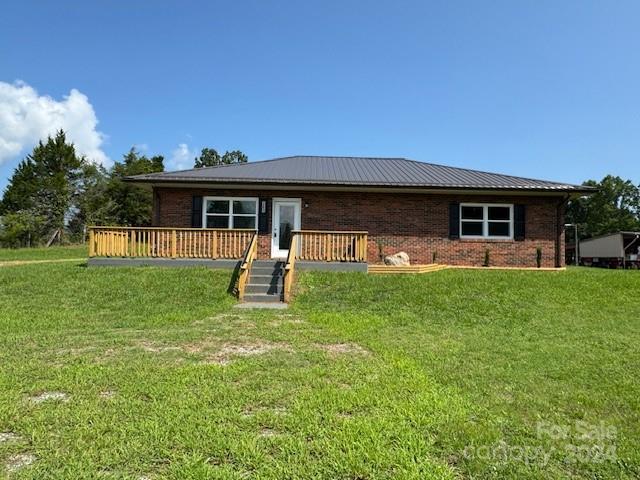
[(285, 219)]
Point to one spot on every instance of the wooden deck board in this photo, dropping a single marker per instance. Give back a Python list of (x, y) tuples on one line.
[(392, 269)]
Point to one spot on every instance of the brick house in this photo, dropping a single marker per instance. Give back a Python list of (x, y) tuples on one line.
[(431, 212)]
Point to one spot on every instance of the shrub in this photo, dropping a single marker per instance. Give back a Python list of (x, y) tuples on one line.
[(539, 257), (486, 258), (380, 244)]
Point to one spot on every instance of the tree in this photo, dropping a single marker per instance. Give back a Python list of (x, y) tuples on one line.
[(20, 229), (93, 206), (22, 188), (130, 204), (614, 207), (235, 156), (209, 157), (43, 187)]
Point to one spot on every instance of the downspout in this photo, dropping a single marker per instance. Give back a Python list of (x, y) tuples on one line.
[(559, 227)]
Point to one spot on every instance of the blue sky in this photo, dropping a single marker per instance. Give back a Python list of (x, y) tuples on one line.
[(543, 89)]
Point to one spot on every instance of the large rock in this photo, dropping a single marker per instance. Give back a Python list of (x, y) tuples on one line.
[(398, 259)]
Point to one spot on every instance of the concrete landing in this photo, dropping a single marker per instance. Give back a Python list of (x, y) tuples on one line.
[(266, 305)]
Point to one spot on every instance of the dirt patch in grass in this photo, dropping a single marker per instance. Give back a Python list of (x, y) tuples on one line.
[(107, 394), (286, 320), (6, 437), (49, 396), (277, 410), (268, 432), (21, 460), (157, 348), (74, 351), (225, 355), (336, 349)]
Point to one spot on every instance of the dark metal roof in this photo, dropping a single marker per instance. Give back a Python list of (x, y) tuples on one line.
[(355, 171)]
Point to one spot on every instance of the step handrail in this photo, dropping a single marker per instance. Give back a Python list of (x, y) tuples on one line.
[(245, 265), (289, 267)]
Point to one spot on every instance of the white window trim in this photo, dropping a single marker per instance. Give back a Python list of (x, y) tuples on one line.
[(485, 221), (230, 214)]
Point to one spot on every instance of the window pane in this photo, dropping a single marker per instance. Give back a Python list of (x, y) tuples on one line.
[(217, 206), (472, 228), (244, 206), (244, 222), (499, 213), (499, 229), (218, 221), (472, 213), (287, 215)]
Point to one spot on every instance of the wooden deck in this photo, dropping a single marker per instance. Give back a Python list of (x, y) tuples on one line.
[(392, 269)]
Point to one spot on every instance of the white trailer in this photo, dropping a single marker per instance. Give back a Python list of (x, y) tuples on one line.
[(620, 249)]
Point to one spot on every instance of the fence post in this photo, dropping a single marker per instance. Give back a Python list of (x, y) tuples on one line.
[(174, 243)]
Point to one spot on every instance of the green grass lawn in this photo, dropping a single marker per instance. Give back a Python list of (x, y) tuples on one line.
[(41, 253), (133, 373)]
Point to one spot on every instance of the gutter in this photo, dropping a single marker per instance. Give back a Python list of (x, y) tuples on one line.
[(310, 186)]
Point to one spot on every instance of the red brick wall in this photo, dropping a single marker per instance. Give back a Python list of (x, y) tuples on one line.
[(415, 223)]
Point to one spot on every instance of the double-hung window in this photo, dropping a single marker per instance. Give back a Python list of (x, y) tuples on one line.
[(486, 220), (230, 212)]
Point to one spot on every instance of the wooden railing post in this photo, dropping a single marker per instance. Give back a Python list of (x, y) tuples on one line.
[(92, 247), (365, 243), (174, 243)]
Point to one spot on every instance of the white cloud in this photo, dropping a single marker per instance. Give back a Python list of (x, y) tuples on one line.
[(181, 158), (27, 117)]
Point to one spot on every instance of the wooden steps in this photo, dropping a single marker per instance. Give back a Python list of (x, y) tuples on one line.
[(392, 269)]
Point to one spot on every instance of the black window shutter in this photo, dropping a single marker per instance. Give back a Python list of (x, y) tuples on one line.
[(518, 222), (196, 212), (263, 217), (454, 221)]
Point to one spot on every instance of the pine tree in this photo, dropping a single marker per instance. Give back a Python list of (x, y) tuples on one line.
[(131, 204), (42, 188)]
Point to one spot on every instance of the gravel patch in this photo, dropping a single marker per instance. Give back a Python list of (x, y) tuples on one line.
[(49, 396), (6, 437), (21, 460)]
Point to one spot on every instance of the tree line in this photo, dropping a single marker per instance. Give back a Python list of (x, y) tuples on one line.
[(56, 191)]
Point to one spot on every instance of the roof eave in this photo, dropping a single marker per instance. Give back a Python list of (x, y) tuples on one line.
[(158, 181)]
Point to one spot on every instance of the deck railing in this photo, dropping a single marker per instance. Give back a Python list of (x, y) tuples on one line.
[(331, 246), (321, 245), (250, 255), (168, 242), (289, 268)]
